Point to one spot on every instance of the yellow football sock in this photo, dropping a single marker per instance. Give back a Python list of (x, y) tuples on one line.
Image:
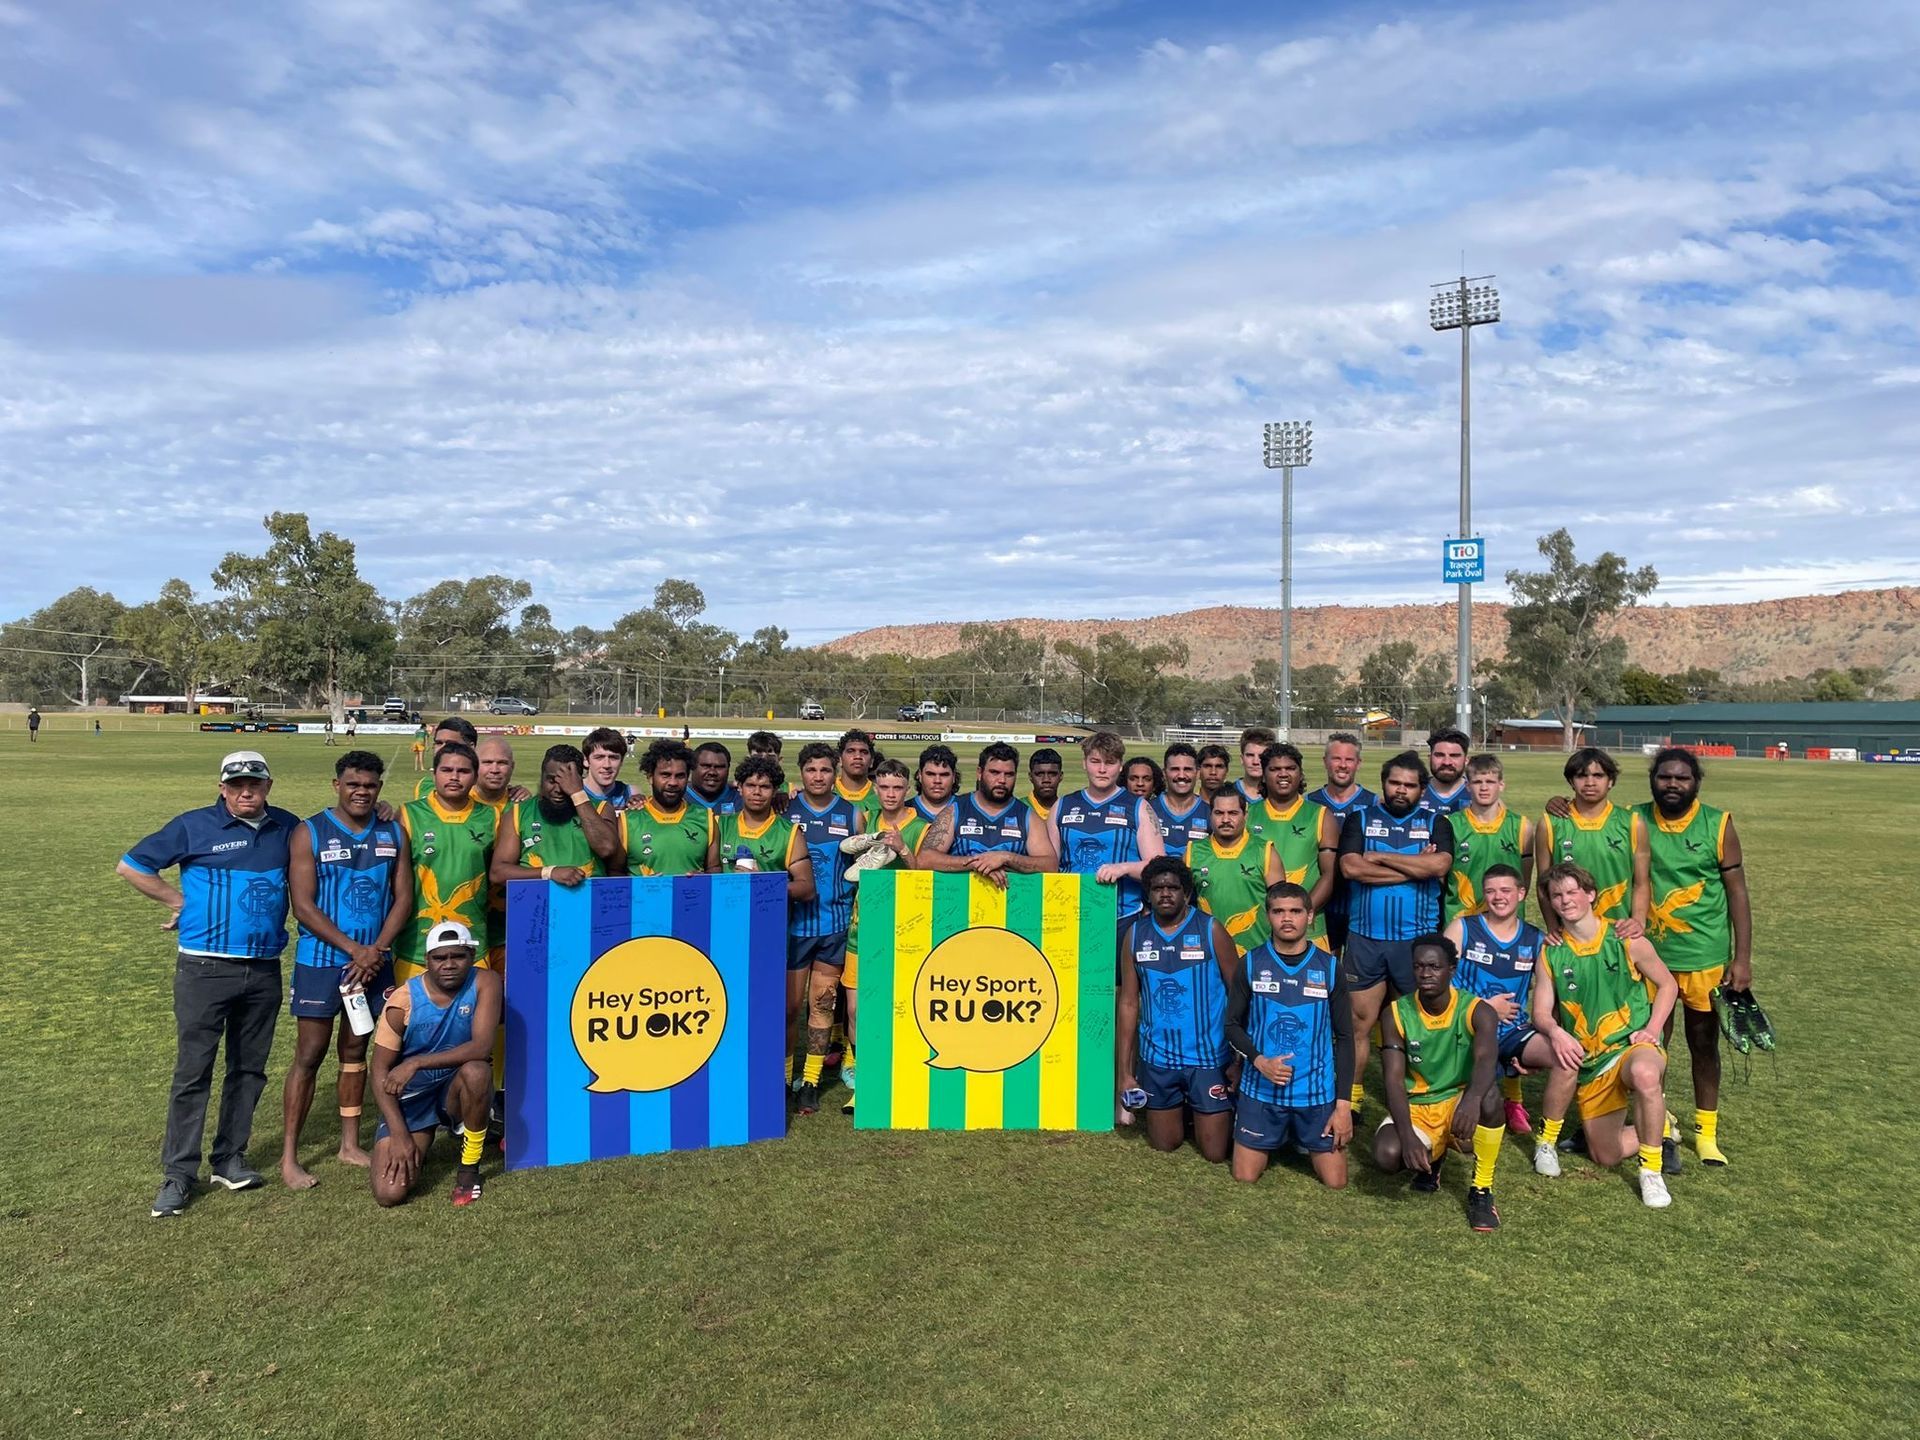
[(789, 1069), (1650, 1158), (1706, 1137), (1486, 1150), (1358, 1093), (1550, 1131), (846, 1058), (1510, 1088), (472, 1144), (815, 1064)]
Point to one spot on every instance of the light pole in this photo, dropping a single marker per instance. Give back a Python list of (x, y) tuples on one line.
[(1460, 305), (1289, 444), (723, 690)]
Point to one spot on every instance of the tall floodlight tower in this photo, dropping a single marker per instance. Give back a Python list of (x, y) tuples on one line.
[(1460, 305), (1289, 445)]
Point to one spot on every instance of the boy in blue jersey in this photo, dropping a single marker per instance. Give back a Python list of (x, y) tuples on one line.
[(817, 926), (1215, 762), (1394, 855), (1176, 963), (606, 751), (1253, 763), (991, 833), (1288, 1020), (710, 788), (352, 890), (1446, 790), (1180, 809), (1103, 831), (1499, 953), (432, 1066), (230, 915), (1340, 794)]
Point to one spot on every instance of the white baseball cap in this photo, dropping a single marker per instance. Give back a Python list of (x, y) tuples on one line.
[(449, 932), (244, 765)]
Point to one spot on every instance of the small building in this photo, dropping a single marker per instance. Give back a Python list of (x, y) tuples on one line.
[(1868, 726), (1545, 734), (181, 705)]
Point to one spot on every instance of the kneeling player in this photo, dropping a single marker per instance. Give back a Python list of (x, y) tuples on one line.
[(1289, 1020), (1437, 1052), (1591, 1002), (1175, 968), (1499, 953), (431, 1066)]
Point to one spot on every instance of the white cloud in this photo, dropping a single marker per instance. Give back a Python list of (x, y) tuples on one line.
[(933, 312)]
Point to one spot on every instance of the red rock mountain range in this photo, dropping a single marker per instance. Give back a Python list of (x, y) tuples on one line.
[(1759, 640)]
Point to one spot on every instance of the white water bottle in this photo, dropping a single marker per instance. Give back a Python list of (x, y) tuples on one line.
[(353, 997), (743, 859)]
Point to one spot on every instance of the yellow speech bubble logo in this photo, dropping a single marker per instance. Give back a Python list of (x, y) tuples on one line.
[(985, 1000), (647, 1014)]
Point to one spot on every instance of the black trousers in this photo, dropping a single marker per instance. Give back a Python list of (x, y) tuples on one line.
[(237, 999)]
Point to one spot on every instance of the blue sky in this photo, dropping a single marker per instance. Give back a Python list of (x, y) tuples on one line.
[(873, 313)]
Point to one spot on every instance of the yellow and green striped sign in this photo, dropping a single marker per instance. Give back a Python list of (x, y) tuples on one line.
[(982, 1008)]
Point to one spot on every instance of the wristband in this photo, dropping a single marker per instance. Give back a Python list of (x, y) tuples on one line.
[(579, 797)]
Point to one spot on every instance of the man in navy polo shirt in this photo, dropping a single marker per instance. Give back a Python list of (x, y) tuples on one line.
[(231, 915)]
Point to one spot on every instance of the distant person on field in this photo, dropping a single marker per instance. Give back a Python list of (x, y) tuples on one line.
[(230, 913), (33, 724), (430, 1066), (96, 728), (1699, 919), (327, 726), (420, 747), (352, 893)]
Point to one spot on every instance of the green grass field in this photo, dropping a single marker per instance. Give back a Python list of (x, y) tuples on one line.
[(975, 1284)]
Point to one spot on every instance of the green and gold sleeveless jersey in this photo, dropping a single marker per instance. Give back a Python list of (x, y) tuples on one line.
[(451, 849), (1295, 833), (1439, 1047), (1475, 847), (547, 846), (1687, 921), (913, 830), (1604, 849), (1598, 995), (666, 842), (772, 846), (864, 797), (1232, 881)]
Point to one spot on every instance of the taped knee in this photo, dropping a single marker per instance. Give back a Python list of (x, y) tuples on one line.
[(821, 1002)]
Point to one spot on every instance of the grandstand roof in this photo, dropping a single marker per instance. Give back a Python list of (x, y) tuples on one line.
[(1850, 712)]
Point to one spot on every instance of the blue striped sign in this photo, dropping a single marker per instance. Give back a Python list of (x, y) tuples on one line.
[(683, 1018)]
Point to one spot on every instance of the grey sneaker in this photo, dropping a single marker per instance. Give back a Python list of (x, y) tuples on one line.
[(237, 1175), (175, 1195), (1653, 1190)]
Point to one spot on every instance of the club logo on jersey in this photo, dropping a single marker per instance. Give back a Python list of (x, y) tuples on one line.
[(260, 899), (1170, 997), (365, 898)]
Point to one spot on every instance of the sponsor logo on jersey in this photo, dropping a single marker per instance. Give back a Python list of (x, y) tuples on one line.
[(336, 851)]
